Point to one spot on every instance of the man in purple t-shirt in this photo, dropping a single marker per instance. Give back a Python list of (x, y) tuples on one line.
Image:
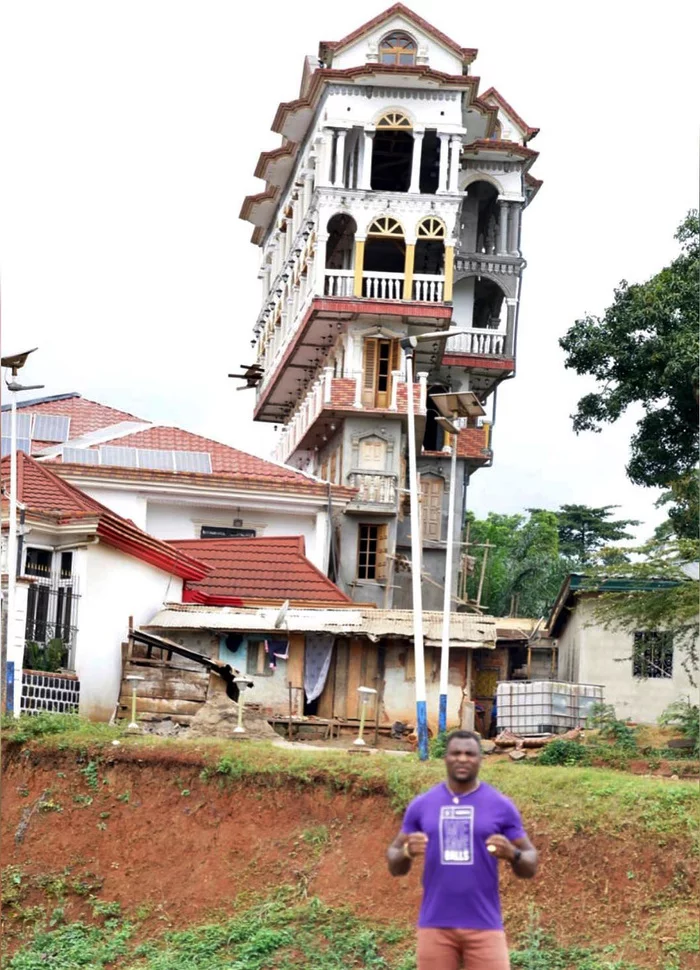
[(462, 827)]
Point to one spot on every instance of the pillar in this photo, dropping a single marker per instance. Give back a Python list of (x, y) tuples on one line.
[(455, 150), (408, 271), (359, 264), (514, 230), (366, 181), (449, 273), (512, 307), (326, 156), (416, 160), (502, 227), (423, 392), (444, 148), (339, 181)]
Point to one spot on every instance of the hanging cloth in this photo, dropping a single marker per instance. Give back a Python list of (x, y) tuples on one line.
[(317, 660)]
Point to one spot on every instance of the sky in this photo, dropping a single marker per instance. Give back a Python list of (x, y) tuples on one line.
[(130, 132)]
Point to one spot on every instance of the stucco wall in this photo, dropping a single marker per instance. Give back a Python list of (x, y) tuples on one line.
[(591, 654), (130, 504), (439, 58), (114, 587)]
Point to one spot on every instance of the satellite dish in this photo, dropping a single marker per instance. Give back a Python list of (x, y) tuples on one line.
[(279, 619)]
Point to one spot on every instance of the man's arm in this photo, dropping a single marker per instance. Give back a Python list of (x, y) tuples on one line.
[(403, 850), (521, 854)]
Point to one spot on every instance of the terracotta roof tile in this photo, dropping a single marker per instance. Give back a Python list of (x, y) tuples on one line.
[(272, 568), (85, 415)]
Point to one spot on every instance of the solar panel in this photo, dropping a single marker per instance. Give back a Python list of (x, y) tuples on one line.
[(193, 461), (23, 444), (24, 424), (51, 427), (81, 456), (156, 459), (121, 457)]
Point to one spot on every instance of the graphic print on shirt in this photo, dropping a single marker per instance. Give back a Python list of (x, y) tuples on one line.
[(457, 835)]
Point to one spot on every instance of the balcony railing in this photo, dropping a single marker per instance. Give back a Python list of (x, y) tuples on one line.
[(374, 488), (478, 341), (428, 289), (339, 282), (383, 286)]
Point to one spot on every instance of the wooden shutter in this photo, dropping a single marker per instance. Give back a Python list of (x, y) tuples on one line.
[(382, 539), (372, 454), (369, 372), (431, 507)]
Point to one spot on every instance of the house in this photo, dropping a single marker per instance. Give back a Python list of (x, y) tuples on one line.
[(171, 483), (83, 572), (642, 671), (393, 207)]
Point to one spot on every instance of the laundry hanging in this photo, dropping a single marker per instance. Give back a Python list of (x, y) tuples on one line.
[(317, 660)]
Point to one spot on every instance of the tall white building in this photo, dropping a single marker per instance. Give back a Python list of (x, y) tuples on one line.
[(393, 207)]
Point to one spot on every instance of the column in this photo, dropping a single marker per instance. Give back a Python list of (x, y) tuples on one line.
[(415, 161), (366, 181), (423, 392), (327, 384), (339, 180), (502, 227), (512, 309), (320, 261), (455, 150), (444, 148), (408, 271), (449, 273), (359, 264), (326, 156), (514, 228)]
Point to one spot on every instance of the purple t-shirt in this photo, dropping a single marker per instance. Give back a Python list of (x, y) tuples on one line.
[(460, 877)]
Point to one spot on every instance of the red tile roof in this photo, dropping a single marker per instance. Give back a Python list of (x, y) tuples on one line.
[(85, 415), (495, 95), (44, 494), (273, 568)]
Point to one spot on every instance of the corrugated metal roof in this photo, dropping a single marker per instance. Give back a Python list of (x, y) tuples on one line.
[(466, 630)]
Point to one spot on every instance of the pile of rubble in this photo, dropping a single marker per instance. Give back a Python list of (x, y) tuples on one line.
[(517, 745)]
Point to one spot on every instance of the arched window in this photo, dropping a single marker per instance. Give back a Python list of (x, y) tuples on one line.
[(385, 226), (398, 48), (429, 256), (394, 121), (385, 253), (431, 228), (392, 153)]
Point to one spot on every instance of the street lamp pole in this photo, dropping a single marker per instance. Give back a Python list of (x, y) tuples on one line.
[(446, 604)]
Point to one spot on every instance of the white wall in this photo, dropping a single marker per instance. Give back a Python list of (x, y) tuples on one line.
[(115, 586), (592, 654), (439, 58), (129, 504)]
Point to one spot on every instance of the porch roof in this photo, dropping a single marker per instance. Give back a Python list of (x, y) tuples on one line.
[(466, 630)]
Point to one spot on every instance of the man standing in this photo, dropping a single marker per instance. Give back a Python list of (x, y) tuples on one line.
[(462, 827)]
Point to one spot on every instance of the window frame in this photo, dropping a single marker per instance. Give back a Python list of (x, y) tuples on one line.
[(649, 660), (262, 666), (399, 48), (380, 539)]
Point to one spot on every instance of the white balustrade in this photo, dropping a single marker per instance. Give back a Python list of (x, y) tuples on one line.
[(428, 289), (383, 286), (339, 282), (374, 488), (477, 341)]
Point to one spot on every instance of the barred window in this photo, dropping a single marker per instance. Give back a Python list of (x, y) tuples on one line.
[(653, 654)]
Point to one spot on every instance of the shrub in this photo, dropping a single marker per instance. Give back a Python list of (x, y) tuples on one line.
[(686, 717), (604, 718), (563, 752)]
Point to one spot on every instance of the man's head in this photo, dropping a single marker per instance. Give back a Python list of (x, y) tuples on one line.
[(462, 756)]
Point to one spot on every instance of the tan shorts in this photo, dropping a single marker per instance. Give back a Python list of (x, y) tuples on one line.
[(462, 950)]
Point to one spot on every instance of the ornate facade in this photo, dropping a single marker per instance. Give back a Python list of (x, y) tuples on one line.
[(392, 208)]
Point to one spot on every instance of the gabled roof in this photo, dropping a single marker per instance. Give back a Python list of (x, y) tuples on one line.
[(260, 569), (85, 415), (45, 495), (493, 95), (468, 54)]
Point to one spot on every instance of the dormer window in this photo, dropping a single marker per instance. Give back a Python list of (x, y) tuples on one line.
[(398, 48)]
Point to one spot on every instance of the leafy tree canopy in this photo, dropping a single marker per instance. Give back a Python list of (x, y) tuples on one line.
[(644, 350), (584, 531)]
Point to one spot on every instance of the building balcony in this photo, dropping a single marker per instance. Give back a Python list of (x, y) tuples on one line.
[(340, 283), (376, 492)]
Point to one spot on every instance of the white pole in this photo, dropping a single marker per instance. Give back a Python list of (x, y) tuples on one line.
[(14, 655), (416, 560), (449, 557)]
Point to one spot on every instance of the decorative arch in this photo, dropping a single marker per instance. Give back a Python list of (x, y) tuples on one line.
[(482, 177), (394, 119), (385, 226), (398, 47), (431, 227)]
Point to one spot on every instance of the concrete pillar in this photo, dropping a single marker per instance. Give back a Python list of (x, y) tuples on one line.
[(514, 230), (444, 159), (502, 227), (449, 273), (415, 161), (455, 150), (512, 308), (408, 271), (359, 263), (423, 392), (366, 181), (326, 157), (339, 181)]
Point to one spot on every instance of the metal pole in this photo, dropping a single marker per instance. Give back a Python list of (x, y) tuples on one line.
[(449, 556), (416, 562), (12, 653)]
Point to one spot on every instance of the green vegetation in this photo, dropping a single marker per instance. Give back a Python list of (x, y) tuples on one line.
[(686, 716)]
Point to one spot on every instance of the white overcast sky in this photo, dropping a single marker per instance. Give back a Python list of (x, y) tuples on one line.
[(130, 131)]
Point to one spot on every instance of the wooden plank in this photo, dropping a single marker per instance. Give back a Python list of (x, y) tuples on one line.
[(369, 675), (161, 706), (165, 683), (295, 661), (325, 701), (354, 677), (340, 700)]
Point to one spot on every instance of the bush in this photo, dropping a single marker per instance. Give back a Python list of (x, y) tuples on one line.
[(437, 746), (605, 720), (563, 752), (686, 717), (49, 657)]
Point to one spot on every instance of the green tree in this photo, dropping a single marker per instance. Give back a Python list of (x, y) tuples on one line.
[(643, 350), (584, 531)]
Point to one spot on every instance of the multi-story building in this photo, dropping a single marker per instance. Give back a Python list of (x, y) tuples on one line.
[(392, 208)]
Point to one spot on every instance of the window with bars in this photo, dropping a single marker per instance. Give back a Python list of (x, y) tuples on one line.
[(381, 358), (371, 551), (653, 654)]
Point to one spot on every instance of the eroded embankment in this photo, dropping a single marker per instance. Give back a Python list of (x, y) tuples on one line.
[(143, 828)]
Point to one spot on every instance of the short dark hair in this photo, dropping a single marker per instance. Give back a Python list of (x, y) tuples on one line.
[(463, 735)]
